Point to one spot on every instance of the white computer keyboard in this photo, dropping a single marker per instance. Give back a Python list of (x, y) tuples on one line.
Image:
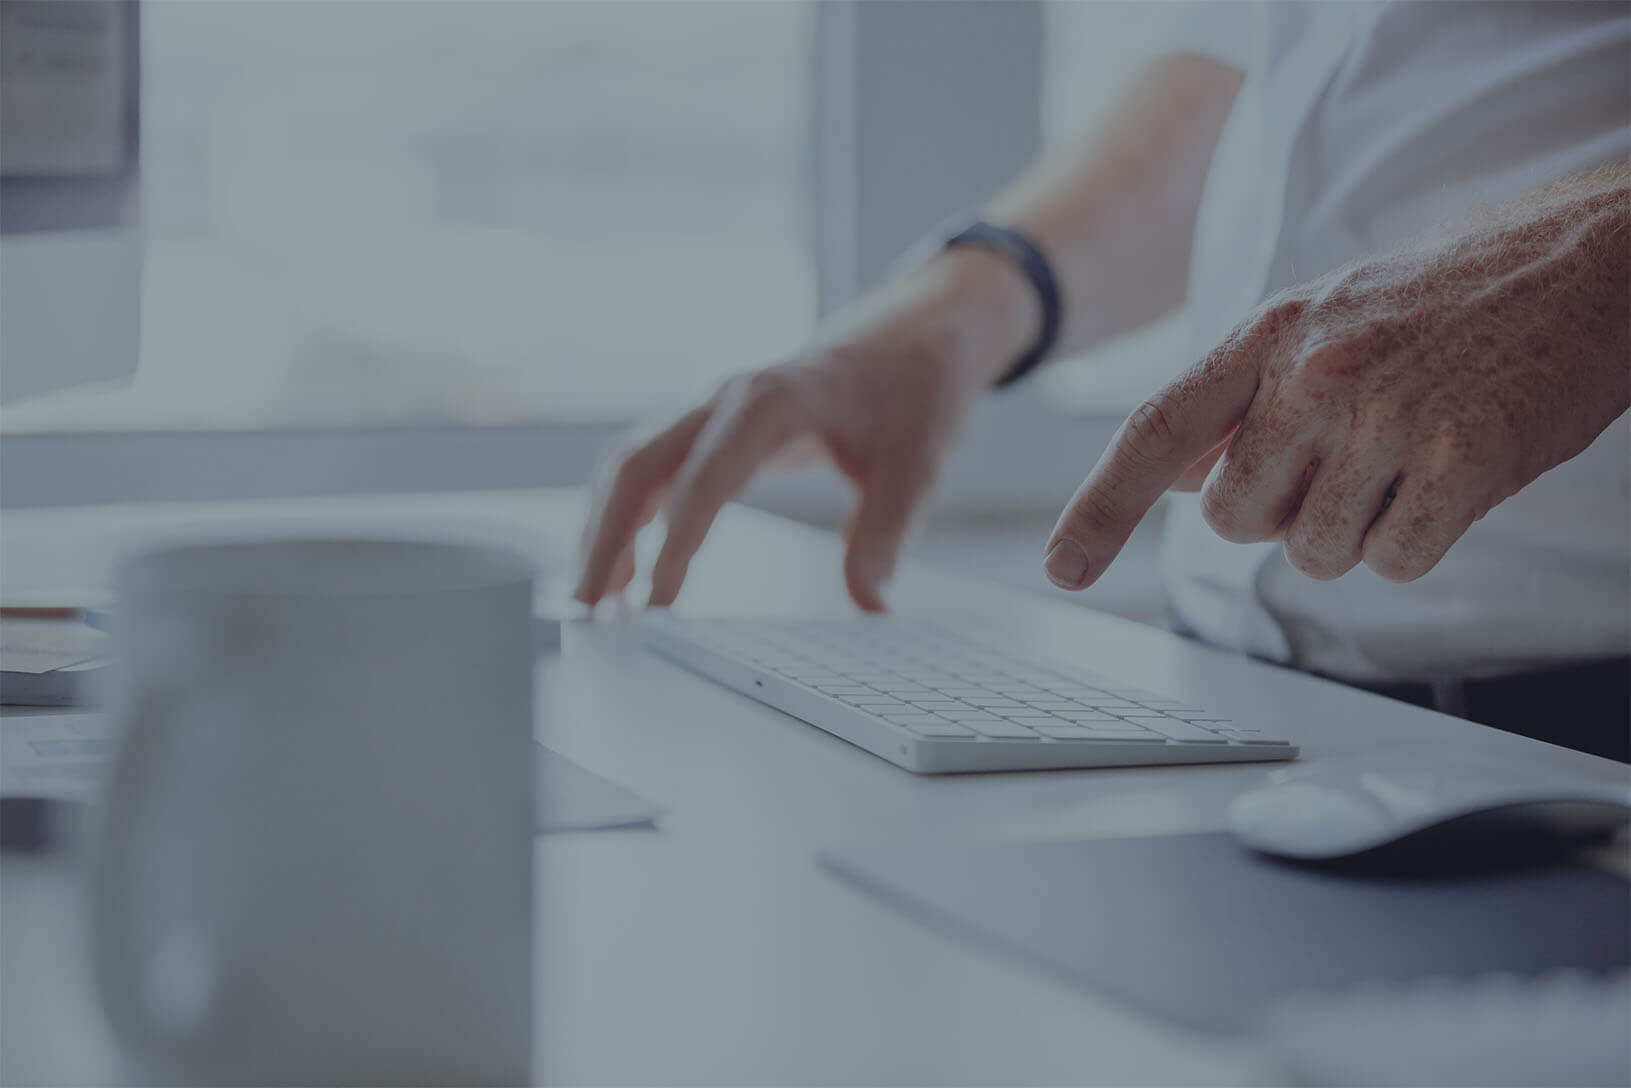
[(934, 701)]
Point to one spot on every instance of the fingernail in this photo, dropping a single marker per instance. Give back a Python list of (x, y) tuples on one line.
[(1067, 565), (875, 573), (581, 594), (880, 593)]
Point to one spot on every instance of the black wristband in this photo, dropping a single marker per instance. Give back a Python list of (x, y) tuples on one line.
[(1028, 256)]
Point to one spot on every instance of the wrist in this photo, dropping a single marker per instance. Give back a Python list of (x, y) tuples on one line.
[(990, 308), (968, 313)]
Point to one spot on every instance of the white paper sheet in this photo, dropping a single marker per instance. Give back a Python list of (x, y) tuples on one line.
[(64, 756), (37, 646)]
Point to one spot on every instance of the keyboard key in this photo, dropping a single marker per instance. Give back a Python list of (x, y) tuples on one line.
[(1114, 724), (873, 702), (1177, 730), (1054, 707), (998, 728), (966, 712), (938, 727), (1061, 730), (1080, 715), (993, 703), (1137, 695), (1076, 732)]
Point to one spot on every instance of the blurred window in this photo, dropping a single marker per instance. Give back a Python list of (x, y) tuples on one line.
[(374, 211)]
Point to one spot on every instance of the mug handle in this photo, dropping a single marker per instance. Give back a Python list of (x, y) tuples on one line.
[(161, 996)]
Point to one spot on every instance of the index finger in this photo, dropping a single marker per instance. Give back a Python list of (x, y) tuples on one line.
[(618, 514), (747, 431), (1149, 454)]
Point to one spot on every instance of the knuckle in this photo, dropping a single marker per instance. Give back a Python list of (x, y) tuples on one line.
[(1322, 374), (1327, 358), (1148, 433), (1459, 452), (1398, 550), (1279, 314), (1220, 511), (1303, 559), (1341, 292), (728, 392), (1393, 563), (747, 391), (1314, 553), (775, 397), (763, 386), (1230, 501), (742, 393), (1374, 427)]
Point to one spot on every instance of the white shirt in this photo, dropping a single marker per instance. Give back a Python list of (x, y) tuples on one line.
[(1360, 126)]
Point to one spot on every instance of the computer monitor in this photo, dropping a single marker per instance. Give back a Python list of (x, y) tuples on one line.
[(70, 244)]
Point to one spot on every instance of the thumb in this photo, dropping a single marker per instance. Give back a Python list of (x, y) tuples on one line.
[(889, 499)]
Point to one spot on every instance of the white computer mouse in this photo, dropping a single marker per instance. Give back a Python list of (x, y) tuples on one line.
[(1338, 807)]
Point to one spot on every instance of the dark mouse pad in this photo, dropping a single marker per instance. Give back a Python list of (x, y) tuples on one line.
[(1202, 931)]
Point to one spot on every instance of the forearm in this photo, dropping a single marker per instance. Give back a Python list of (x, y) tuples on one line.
[(1114, 218), (1116, 215)]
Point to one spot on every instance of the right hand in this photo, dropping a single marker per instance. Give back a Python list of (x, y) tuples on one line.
[(883, 392)]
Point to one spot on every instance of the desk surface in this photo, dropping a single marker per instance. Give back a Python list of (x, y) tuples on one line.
[(715, 950)]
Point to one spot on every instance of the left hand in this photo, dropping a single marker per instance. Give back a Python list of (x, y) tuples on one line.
[(1374, 414)]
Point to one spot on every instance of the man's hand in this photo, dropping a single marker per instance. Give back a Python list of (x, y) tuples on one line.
[(1375, 414), (883, 393)]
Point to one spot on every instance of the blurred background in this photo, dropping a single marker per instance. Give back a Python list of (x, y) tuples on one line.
[(420, 244)]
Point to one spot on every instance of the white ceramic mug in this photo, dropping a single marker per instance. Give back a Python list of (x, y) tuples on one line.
[(315, 857)]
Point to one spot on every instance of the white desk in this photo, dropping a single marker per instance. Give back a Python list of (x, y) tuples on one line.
[(715, 950)]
